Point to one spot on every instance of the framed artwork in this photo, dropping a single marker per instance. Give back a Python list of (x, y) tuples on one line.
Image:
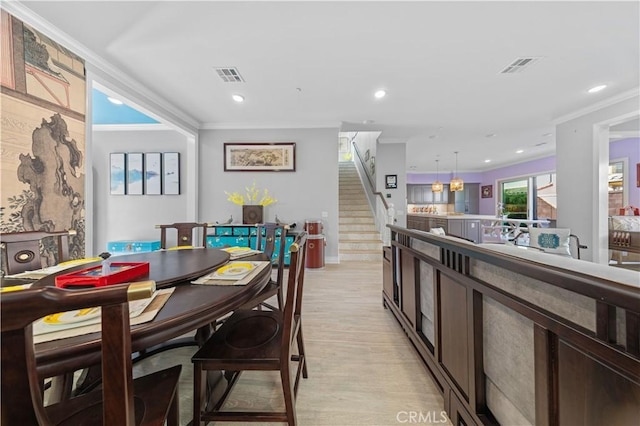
[(486, 191), (135, 173), (171, 173), (260, 157), (117, 172), (153, 173), (391, 181)]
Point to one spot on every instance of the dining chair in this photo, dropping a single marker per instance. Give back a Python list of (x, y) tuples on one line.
[(21, 250), (271, 239), (185, 233), (256, 340), (148, 400)]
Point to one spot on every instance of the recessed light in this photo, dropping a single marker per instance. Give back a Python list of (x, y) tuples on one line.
[(490, 135), (546, 135), (520, 151), (380, 94), (597, 88), (115, 101), (238, 98), (487, 161)]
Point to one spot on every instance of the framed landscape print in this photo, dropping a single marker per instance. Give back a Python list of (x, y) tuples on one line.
[(117, 171), (266, 157), (153, 173), (135, 173), (171, 173)]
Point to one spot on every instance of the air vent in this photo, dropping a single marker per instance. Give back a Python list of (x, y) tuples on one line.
[(230, 75), (519, 65)]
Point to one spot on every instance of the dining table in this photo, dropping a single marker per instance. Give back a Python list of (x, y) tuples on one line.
[(189, 308)]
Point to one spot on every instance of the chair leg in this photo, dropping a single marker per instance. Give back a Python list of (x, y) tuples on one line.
[(289, 398), (198, 393), (280, 298), (303, 358)]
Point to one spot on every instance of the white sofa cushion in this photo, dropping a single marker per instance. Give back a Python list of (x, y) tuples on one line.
[(550, 240)]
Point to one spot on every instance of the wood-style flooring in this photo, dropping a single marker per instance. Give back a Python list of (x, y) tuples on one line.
[(362, 368)]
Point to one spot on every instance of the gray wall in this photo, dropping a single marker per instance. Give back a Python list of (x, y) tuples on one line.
[(133, 217), (304, 194)]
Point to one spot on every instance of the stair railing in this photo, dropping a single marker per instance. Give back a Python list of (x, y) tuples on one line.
[(377, 203)]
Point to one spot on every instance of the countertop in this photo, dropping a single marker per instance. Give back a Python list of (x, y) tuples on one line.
[(455, 216)]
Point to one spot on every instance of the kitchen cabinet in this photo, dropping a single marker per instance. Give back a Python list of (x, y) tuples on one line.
[(422, 194), (468, 200)]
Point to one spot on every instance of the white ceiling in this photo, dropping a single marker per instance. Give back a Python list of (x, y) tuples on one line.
[(309, 64)]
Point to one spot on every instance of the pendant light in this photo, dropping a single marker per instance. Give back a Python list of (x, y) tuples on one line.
[(437, 185), (456, 183)]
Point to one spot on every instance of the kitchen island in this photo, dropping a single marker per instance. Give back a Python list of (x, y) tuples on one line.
[(473, 227)]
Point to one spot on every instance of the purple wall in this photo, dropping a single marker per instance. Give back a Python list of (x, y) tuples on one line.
[(630, 149)]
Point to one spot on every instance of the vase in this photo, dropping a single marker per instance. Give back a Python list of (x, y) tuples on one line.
[(252, 214)]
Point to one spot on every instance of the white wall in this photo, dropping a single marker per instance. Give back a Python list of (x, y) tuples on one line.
[(582, 157), (302, 195), (133, 217), (391, 160)]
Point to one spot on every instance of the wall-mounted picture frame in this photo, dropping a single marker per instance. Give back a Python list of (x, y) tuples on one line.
[(260, 157), (117, 173), (153, 173), (390, 181), (171, 173), (135, 173), (486, 191)]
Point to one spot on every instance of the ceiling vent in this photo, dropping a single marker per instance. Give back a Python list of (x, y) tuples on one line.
[(519, 65), (230, 75)]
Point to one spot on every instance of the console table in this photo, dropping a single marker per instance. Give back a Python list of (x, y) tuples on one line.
[(233, 235)]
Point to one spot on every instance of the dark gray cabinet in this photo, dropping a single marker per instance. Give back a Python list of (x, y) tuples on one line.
[(422, 194), (467, 201)]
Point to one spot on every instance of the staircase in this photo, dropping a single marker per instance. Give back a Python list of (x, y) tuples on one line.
[(359, 240)]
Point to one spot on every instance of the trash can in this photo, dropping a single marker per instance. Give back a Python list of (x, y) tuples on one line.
[(313, 226), (315, 251)]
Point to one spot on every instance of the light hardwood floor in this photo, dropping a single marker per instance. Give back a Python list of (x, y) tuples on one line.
[(362, 368)]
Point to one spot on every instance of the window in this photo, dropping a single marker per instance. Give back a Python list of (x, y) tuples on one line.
[(517, 196)]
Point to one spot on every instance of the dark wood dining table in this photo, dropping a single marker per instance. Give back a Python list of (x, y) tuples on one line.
[(190, 307)]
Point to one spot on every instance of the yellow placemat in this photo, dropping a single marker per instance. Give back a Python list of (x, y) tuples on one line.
[(61, 326), (214, 279)]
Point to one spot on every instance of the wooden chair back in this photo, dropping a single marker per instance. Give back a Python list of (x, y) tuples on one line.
[(275, 237), (293, 302), (21, 250), (21, 391), (185, 233)]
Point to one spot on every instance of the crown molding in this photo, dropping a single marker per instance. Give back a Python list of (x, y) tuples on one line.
[(259, 126), (598, 106), (101, 66), (130, 127)]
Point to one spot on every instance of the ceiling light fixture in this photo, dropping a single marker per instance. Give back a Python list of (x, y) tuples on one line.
[(487, 161), (546, 135), (520, 151), (437, 185), (456, 183), (380, 94), (597, 88), (115, 101), (238, 98), (490, 135)]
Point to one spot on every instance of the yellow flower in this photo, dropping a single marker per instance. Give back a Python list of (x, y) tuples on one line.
[(251, 196)]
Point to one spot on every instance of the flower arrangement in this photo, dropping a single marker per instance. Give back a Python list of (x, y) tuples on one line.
[(252, 196)]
